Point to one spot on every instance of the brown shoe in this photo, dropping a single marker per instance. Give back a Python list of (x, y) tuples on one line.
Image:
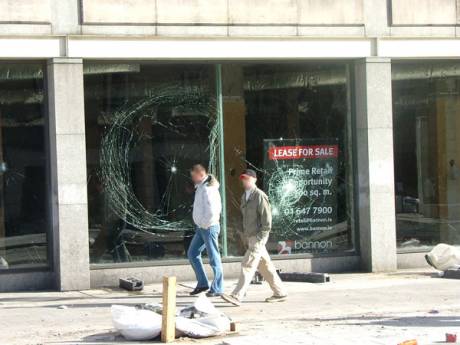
[(231, 299), (274, 299)]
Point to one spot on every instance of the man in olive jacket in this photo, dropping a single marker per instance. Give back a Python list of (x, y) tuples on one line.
[(257, 223)]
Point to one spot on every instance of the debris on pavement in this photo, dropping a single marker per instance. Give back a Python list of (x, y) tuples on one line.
[(451, 338), (305, 277), (136, 324), (144, 322), (409, 342), (63, 307), (452, 274), (202, 320), (444, 257), (131, 284)]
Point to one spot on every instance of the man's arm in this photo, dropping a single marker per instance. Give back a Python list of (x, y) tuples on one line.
[(265, 216)]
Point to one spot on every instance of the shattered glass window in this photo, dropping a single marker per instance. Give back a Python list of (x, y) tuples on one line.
[(146, 125), (426, 123), (24, 174), (291, 123)]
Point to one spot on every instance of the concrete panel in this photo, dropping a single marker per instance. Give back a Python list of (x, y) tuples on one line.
[(119, 11), (118, 30), (260, 31), (72, 193), (280, 48), (39, 47), (73, 248), (192, 11), (65, 16), (378, 81), (422, 31), (262, 11), (335, 12), (424, 12), (380, 148), (192, 30), (71, 168), (412, 260), (331, 31), (25, 29), (69, 120), (101, 277), (376, 18), (29, 11)]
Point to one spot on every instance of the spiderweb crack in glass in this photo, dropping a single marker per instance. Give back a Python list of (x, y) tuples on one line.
[(121, 138)]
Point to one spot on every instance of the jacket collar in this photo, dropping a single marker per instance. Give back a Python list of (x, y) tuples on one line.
[(203, 181)]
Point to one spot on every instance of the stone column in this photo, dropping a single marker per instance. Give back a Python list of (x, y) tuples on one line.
[(376, 199), (68, 173)]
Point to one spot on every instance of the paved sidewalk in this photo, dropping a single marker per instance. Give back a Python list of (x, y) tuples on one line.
[(353, 309)]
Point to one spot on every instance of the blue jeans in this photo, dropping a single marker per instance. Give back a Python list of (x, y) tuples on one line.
[(207, 239)]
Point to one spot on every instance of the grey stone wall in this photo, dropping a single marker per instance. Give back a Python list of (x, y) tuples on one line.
[(315, 18)]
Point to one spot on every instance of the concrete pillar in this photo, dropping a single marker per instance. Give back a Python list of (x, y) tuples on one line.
[(376, 199), (68, 173)]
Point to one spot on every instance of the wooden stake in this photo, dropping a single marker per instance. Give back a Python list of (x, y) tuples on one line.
[(168, 327), (233, 327)]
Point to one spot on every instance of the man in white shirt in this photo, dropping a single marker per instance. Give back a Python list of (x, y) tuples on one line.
[(207, 208)]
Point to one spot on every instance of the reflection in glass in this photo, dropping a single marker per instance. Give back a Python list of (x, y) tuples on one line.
[(426, 103), (281, 106), (23, 167), (146, 125)]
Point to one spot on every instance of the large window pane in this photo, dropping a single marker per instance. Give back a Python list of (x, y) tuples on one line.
[(23, 167), (146, 124), (274, 114), (426, 110)]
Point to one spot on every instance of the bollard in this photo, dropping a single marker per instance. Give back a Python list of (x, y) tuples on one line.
[(168, 326)]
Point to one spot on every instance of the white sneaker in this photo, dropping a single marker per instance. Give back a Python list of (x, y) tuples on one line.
[(231, 299), (274, 299)]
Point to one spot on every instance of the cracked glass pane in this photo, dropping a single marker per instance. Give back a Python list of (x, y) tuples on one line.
[(146, 125), (291, 123)]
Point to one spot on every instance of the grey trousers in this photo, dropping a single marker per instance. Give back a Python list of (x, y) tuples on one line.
[(257, 258)]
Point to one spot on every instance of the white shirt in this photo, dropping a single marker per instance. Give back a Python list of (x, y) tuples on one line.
[(248, 193)]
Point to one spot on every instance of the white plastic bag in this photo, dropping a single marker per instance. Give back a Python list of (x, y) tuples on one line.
[(203, 327), (210, 321), (136, 324), (205, 306), (444, 257)]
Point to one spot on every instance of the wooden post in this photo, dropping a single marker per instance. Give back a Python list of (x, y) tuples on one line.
[(168, 327)]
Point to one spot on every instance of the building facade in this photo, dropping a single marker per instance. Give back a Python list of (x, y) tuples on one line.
[(347, 109)]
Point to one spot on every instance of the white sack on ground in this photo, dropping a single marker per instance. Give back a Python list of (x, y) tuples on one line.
[(444, 257), (202, 320), (136, 324)]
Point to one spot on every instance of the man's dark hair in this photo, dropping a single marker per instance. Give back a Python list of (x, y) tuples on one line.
[(199, 167)]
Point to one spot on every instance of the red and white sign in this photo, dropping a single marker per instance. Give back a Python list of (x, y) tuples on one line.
[(303, 152)]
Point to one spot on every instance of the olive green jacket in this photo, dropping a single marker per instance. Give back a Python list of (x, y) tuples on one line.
[(257, 214)]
